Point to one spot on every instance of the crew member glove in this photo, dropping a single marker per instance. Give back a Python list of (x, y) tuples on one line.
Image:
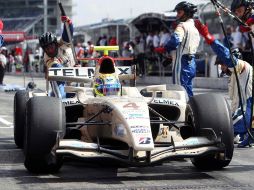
[(160, 50), (203, 30), (1, 25), (65, 19), (249, 22)]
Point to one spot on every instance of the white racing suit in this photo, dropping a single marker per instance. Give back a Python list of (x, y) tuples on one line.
[(185, 40), (64, 58), (244, 73)]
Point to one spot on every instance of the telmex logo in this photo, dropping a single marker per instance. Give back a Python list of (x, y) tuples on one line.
[(165, 101), (83, 71), (72, 72), (71, 102)]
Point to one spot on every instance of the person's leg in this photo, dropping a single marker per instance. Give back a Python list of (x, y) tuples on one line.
[(1, 74), (188, 71), (239, 127), (247, 138), (142, 65), (60, 85)]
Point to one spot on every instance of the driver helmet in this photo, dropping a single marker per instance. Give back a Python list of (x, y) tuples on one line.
[(107, 85), (46, 40), (188, 8)]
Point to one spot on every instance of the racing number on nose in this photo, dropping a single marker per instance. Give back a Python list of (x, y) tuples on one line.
[(131, 105)]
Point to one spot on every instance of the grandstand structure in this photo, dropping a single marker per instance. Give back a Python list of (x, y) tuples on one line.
[(29, 18)]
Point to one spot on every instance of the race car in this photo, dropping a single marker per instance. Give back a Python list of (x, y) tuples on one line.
[(85, 74), (138, 128)]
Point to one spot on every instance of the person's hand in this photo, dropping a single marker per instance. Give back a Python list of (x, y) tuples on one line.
[(174, 25), (203, 30), (65, 19), (160, 50), (249, 22), (77, 65)]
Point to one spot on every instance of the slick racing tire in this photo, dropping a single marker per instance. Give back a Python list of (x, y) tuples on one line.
[(20, 99), (212, 111), (45, 123)]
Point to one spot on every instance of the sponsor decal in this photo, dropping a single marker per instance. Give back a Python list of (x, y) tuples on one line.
[(83, 71), (72, 72), (138, 126), (164, 132), (165, 101), (71, 102), (140, 129), (127, 112), (144, 140), (124, 71), (135, 115)]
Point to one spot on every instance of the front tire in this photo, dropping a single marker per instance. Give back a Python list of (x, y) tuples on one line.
[(45, 120), (212, 111), (20, 99)]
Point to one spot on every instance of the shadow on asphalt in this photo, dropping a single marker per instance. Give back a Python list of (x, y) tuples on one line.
[(107, 173)]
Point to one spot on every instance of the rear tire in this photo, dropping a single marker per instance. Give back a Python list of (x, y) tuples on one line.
[(20, 99), (45, 120), (212, 111)]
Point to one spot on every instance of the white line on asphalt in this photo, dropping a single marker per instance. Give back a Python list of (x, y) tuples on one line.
[(8, 127), (4, 121)]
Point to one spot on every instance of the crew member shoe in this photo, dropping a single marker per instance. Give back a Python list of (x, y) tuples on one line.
[(237, 139), (247, 142)]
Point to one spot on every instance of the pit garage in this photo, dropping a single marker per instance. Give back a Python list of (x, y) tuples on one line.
[(157, 64)]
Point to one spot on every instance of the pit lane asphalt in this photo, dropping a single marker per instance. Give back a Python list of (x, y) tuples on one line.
[(105, 174)]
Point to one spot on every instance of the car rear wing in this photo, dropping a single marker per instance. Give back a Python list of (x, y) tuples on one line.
[(86, 74)]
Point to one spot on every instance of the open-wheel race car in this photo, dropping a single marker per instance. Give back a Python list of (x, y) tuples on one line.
[(135, 127)]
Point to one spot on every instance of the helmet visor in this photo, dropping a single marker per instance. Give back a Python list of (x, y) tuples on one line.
[(51, 49), (109, 89)]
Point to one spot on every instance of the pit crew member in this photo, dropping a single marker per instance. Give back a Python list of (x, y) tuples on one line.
[(185, 41), (244, 72), (57, 53), (243, 9)]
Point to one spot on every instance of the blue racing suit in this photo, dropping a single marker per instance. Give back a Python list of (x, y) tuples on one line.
[(244, 72), (64, 58), (185, 41)]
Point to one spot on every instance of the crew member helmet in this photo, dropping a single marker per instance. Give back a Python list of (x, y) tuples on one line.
[(237, 53), (107, 85), (188, 8), (48, 42), (238, 3), (47, 38), (223, 66)]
